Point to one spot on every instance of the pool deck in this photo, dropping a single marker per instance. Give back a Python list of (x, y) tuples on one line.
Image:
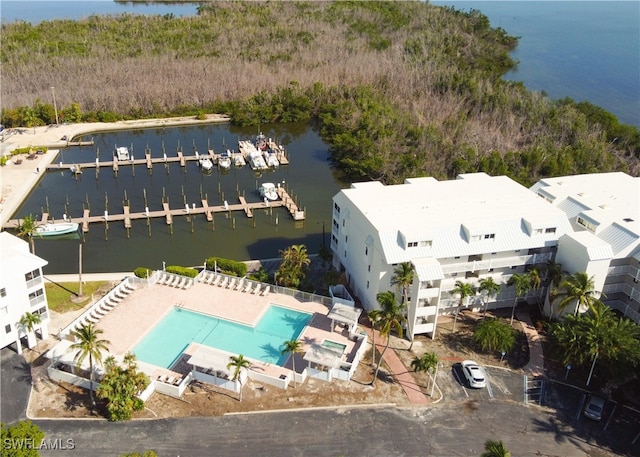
[(129, 322)]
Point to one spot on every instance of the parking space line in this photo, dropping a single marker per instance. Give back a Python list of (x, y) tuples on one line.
[(489, 387), (455, 373)]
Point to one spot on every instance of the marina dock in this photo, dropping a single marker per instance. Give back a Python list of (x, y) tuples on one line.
[(166, 212)]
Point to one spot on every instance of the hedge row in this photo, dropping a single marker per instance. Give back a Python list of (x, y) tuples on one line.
[(182, 271), (226, 266)]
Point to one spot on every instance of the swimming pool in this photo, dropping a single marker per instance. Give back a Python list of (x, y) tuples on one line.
[(170, 337)]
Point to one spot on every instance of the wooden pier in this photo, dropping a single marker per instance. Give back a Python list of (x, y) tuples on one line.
[(166, 212)]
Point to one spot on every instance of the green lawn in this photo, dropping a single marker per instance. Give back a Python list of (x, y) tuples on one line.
[(61, 295)]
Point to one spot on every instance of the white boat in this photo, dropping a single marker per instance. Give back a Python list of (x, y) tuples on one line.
[(205, 163), (224, 161), (238, 159), (76, 169), (56, 228), (268, 190), (257, 161), (270, 158), (122, 153)]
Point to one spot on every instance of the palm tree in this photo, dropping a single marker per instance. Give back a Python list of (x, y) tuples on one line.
[(391, 317), (295, 260), (494, 335), (374, 317), (27, 228), (28, 322), (88, 343), (238, 363), (522, 285), (553, 273), (464, 290), (427, 363), (578, 288), (494, 448), (536, 282), (490, 289), (292, 347), (403, 278), (30, 118)]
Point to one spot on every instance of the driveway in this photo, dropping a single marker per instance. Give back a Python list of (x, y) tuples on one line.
[(15, 386)]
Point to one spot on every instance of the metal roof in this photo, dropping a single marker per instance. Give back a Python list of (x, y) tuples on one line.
[(622, 241)]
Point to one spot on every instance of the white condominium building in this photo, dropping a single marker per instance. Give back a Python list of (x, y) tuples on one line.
[(21, 291), (604, 211), (467, 229)]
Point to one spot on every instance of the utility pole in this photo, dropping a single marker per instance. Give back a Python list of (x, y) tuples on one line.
[(55, 107)]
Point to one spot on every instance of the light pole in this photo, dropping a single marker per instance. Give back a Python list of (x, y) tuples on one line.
[(55, 107)]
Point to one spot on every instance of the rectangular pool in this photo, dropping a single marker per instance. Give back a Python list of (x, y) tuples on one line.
[(170, 337)]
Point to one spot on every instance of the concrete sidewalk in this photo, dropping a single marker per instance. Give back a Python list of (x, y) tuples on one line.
[(535, 367), (399, 371)]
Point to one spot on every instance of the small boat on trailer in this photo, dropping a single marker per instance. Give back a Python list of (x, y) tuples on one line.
[(56, 228)]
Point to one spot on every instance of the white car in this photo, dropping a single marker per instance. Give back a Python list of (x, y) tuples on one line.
[(474, 374), (594, 408)]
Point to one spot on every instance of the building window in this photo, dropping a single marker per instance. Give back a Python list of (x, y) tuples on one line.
[(346, 238), (336, 207), (366, 250), (344, 221), (412, 244), (3, 292), (7, 328), (550, 230), (425, 244), (586, 224), (336, 225), (475, 238), (457, 257), (537, 232), (32, 275), (367, 284), (489, 236), (345, 254), (334, 239), (369, 268)]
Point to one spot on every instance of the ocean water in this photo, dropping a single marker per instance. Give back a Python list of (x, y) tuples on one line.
[(586, 50)]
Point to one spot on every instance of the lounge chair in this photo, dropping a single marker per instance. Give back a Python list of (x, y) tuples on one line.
[(181, 283), (265, 292), (248, 287), (170, 380), (231, 283), (239, 284), (216, 280), (91, 319), (187, 283), (128, 287), (256, 290), (167, 279), (174, 281), (224, 282)]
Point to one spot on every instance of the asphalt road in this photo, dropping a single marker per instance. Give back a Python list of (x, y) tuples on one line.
[(436, 431), (15, 386)]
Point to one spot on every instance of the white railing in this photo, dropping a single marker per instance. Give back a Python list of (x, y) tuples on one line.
[(625, 309), (625, 270), (632, 292), (496, 263), (34, 282)]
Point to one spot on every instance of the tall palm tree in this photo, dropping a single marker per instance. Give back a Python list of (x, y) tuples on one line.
[(27, 228), (374, 317), (88, 344), (28, 322), (578, 288), (238, 363), (553, 273), (535, 281), (522, 285), (391, 317), (292, 347), (403, 278), (490, 289), (464, 290), (428, 363), (493, 448)]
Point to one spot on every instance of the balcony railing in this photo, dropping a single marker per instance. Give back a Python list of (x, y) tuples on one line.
[(625, 270), (496, 263), (34, 282), (35, 301), (631, 292)]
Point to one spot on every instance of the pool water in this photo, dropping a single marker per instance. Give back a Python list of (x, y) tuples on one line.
[(168, 339)]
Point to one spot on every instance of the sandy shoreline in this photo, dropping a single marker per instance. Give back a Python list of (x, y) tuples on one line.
[(16, 181)]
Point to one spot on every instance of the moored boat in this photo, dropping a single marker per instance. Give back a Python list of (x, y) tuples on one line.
[(205, 163), (56, 228), (122, 153), (268, 190), (76, 169), (238, 159), (224, 161)]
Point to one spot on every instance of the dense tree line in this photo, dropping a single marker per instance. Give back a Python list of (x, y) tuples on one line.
[(397, 89)]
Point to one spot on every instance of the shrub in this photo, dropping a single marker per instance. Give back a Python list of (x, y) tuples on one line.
[(142, 272), (182, 271), (227, 266)]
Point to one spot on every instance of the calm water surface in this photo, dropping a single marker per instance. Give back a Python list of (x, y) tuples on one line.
[(191, 239), (586, 50)]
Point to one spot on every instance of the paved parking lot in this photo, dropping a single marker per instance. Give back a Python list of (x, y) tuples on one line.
[(502, 384)]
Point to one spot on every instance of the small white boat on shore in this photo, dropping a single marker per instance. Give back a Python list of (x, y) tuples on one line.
[(268, 190), (56, 228)]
